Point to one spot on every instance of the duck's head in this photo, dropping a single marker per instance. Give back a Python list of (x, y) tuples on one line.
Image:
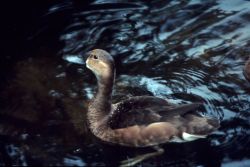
[(100, 62)]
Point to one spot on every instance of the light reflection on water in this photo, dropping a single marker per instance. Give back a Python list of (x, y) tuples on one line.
[(184, 51)]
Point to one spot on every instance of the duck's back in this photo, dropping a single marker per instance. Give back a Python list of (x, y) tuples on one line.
[(143, 110)]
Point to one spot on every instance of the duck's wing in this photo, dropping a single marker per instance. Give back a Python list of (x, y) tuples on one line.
[(144, 110)]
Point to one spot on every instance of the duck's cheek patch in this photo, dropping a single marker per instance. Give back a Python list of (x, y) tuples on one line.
[(103, 65), (103, 69)]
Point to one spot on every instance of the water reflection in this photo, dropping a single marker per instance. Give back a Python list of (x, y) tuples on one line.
[(185, 51)]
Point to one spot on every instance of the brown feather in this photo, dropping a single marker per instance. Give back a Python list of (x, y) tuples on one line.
[(142, 136)]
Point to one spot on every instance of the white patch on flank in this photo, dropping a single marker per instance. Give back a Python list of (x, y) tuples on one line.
[(191, 137)]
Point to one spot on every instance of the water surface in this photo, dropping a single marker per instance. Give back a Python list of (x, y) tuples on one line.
[(184, 51)]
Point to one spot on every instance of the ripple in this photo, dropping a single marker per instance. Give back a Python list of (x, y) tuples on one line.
[(16, 155), (74, 161), (155, 85), (231, 5), (242, 163)]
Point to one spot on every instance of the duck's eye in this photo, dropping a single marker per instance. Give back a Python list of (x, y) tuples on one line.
[(93, 56)]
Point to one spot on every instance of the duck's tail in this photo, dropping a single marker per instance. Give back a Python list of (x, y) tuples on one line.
[(199, 127)]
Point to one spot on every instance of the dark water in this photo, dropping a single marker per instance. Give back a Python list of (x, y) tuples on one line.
[(184, 51)]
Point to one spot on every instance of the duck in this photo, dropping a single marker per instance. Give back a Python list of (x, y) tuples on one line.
[(139, 121), (246, 70)]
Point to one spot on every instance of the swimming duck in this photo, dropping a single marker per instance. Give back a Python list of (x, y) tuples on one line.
[(139, 121), (246, 71)]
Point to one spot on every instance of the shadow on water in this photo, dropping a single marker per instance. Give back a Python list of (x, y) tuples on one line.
[(184, 51)]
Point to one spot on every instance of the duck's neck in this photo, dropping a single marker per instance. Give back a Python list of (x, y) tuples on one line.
[(100, 106), (103, 96)]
